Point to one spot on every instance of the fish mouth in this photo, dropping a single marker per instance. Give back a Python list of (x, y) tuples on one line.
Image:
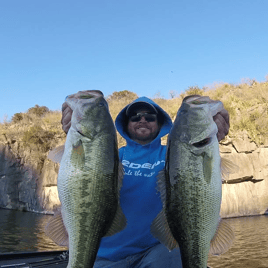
[(202, 143)]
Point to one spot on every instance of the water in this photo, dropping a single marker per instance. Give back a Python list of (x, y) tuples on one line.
[(24, 231), (250, 249)]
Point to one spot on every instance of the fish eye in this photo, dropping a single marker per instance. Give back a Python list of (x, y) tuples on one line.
[(202, 143), (101, 104)]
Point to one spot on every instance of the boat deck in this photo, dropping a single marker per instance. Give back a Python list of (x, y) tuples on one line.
[(53, 259)]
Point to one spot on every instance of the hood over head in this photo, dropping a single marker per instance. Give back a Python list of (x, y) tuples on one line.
[(163, 118), (134, 106)]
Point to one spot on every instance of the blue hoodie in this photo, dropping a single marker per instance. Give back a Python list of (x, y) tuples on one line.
[(139, 198)]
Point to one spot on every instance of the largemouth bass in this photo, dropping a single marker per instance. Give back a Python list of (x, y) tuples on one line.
[(191, 186), (89, 181)]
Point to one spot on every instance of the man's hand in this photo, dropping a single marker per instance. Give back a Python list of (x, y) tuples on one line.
[(221, 119), (67, 111), (66, 117)]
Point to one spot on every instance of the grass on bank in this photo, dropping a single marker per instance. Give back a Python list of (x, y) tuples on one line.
[(247, 104)]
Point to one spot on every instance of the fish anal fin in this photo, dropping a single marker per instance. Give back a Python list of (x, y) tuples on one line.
[(78, 154), (161, 231), (55, 229), (222, 240), (227, 167), (119, 222), (56, 154)]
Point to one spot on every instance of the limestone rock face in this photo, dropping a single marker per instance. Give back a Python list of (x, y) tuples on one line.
[(18, 183), (31, 185), (246, 191), (26, 184), (244, 145)]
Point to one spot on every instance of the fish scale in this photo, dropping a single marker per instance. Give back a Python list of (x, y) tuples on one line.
[(196, 223), (193, 209), (88, 182), (190, 186), (83, 195)]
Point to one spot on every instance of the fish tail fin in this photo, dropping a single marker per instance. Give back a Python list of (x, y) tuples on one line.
[(55, 229), (222, 240)]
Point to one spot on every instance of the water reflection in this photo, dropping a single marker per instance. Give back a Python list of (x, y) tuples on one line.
[(250, 249), (24, 231)]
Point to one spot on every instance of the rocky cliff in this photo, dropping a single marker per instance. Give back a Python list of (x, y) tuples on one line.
[(246, 191), (30, 185), (28, 181)]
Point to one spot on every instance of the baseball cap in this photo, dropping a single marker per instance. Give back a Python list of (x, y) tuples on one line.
[(140, 105)]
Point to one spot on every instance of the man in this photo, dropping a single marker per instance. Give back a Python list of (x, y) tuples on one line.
[(142, 123)]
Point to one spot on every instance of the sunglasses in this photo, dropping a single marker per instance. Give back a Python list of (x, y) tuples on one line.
[(148, 117)]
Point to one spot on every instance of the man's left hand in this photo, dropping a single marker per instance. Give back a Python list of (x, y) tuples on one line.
[(222, 121)]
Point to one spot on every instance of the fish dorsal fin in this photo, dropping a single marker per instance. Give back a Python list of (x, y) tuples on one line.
[(222, 240), (227, 167), (56, 154), (119, 222), (55, 229), (159, 227)]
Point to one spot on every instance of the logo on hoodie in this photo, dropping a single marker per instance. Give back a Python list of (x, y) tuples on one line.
[(135, 169), (145, 165)]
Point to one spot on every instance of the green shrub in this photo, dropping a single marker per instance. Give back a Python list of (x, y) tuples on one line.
[(36, 136), (17, 117), (38, 110), (194, 91), (125, 94)]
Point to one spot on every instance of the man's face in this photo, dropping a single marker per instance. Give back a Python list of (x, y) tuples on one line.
[(143, 131)]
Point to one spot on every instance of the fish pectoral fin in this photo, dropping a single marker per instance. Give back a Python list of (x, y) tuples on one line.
[(56, 154), (227, 167), (222, 240), (78, 154), (55, 229), (161, 231), (119, 222)]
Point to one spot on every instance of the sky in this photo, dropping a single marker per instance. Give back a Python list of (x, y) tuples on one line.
[(52, 48)]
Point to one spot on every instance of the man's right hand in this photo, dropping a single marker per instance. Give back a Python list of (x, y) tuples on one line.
[(67, 111)]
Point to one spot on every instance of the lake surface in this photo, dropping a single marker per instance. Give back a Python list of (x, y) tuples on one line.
[(24, 231), (250, 249)]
